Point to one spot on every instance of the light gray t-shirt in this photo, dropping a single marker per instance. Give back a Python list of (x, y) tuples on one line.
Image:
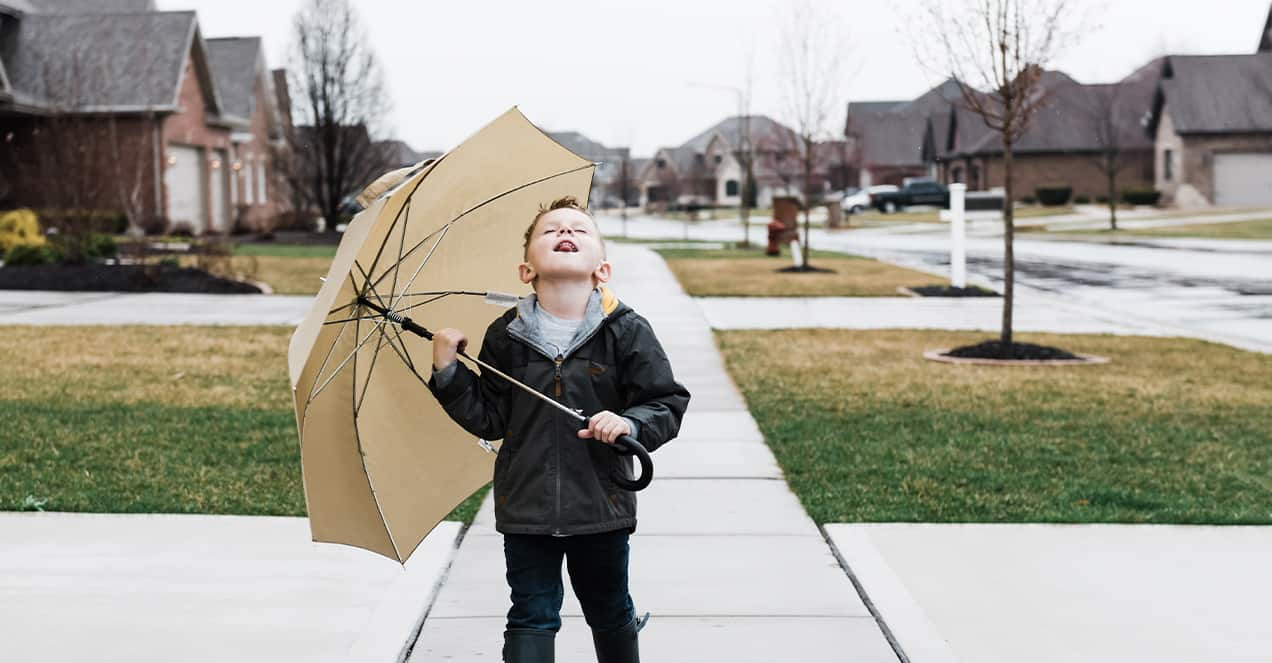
[(556, 332)]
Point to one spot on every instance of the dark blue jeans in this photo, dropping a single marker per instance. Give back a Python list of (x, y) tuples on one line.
[(597, 564)]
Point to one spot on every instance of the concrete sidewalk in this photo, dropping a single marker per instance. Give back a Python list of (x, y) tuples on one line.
[(38, 307), (724, 557), (132, 588), (1003, 593)]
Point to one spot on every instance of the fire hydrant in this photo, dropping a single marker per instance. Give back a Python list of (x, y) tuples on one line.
[(775, 231)]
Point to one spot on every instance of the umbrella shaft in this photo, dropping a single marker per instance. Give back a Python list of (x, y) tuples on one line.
[(487, 367)]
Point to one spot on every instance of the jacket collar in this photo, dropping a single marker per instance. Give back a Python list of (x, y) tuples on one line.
[(601, 306)]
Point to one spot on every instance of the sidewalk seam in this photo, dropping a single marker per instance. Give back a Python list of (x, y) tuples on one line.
[(409, 646), (865, 598)]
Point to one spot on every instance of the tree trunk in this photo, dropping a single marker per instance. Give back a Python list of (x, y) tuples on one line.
[(1113, 199), (1009, 256), (808, 195)]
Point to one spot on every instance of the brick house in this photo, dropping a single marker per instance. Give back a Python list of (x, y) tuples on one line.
[(886, 137), (114, 107), (258, 131), (1063, 145), (707, 170), (606, 182), (1212, 124)]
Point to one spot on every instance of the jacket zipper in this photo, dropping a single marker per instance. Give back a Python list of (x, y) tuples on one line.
[(557, 441), (558, 361)]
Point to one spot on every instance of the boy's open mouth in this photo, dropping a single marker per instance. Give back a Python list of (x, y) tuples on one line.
[(566, 246)]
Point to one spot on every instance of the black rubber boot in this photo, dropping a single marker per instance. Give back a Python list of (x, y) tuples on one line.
[(619, 646), (523, 645)]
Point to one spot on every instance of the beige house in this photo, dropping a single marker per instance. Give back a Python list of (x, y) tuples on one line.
[(1212, 127)]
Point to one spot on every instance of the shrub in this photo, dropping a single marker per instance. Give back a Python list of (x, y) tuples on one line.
[(1054, 196), (1103, 200), (101, 246), (1141, 196), (1028, 200), (26, 254), (19, 227), (1081, 200)]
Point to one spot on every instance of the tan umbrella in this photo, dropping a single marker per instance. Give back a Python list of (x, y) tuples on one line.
[(382, 462)]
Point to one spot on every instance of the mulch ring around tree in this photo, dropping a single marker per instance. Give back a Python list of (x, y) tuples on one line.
[(120, 278), (948, 291), (995, 353), (809, 269)]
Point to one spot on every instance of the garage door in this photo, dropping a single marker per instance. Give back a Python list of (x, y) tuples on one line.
[(184, 181), (1243, 180)]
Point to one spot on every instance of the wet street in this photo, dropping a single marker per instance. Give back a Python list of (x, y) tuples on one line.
[(1212, 289)]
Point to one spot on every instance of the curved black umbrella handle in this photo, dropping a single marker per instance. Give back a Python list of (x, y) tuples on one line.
[(628, 446)]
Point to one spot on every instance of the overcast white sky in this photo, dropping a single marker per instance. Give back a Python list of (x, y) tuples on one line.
[(621, 72)]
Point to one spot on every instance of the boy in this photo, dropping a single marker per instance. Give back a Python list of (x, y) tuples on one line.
[(554, 497)]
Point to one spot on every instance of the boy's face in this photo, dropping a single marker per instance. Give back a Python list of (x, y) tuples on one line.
[(565, 245)]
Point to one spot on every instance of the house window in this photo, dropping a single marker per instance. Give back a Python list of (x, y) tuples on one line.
[(249, 184), (730, 187), (1168, 165), (662, 163), (719, 158), (957, 175), (260, 165)]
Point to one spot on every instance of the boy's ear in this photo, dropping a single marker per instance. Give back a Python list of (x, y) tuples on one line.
[(526, 273), (603, 272)]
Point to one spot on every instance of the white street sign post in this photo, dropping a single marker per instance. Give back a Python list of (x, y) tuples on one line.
[(958, 255)]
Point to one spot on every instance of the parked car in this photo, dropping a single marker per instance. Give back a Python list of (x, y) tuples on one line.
[(913, 191), (854, 200)]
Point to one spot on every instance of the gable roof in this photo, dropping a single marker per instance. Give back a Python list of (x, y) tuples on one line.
[(1216, 93), (107, 62), (731, 128), (1265, 39), (237, 68), (16, 6), (588, 148), (892, 133), (91, 6)]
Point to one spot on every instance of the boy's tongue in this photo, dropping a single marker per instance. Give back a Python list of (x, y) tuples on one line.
[(566, 246)]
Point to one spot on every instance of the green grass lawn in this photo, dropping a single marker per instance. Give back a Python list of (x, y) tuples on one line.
[(1172, 431), (151, 420), (734, 272), (1258, 229), (271, 249)]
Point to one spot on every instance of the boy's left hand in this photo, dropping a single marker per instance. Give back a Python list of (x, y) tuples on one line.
[(606, 427)]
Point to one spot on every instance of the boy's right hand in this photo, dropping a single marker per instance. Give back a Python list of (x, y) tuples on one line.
[(447, 344)]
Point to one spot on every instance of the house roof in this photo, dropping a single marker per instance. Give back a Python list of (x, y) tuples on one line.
[(588, 148), (1071, 118), (108, 62), (236, 66), (1265, 39), (731, 128), (17, 6), (1216, 93), (90, 6), (891, 133)]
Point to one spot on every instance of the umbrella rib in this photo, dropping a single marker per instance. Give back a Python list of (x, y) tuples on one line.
[(380, 252), (408, 254), (409, 283), (487, 202), (326, 359), (401, 245), (362, 454), (357, 405), (368, 285), (406, 358), (336, 370)]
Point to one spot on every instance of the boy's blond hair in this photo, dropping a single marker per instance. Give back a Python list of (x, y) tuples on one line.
[(564, 202)]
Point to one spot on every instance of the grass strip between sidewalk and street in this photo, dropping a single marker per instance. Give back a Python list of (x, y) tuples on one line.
[(1260, 229), (865, 429), (750, 273), (151, 419)]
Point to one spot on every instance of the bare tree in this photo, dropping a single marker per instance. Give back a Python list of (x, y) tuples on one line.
[(336, 79), (1001, 47), (746, 148), (809, 58), (1104, 116)]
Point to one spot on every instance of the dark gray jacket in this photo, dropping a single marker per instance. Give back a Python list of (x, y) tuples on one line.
[(547, 479)]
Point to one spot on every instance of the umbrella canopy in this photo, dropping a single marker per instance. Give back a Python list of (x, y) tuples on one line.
[(382, 462)]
